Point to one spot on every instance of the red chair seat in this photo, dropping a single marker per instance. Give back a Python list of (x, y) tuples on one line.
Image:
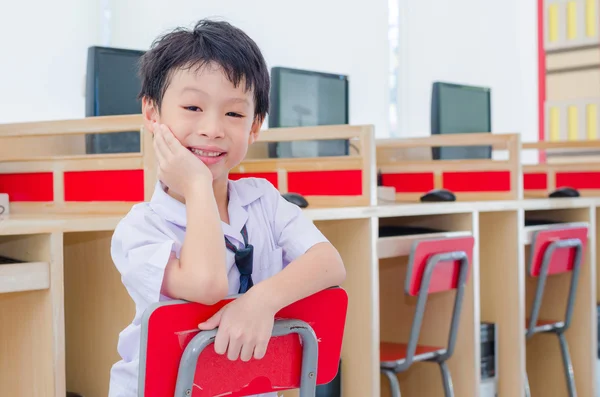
[(394, 352)]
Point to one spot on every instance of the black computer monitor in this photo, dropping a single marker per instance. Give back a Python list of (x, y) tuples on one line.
[(112, 87), (308, 98), (458, 109)]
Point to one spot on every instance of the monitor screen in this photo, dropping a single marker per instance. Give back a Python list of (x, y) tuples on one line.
[(458, 109), (306, 98), (112, 88)]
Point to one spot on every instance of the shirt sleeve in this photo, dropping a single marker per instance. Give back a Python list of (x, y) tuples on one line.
[(294, 232), (140, 250)]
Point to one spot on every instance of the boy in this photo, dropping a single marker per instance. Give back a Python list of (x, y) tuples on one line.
[(204, 97)]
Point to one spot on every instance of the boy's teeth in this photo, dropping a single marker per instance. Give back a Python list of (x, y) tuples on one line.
[(205, 154)]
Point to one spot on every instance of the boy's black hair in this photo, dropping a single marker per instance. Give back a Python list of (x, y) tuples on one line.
[(210, 41)]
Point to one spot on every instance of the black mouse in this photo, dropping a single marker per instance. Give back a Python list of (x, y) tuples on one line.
[(296, 198), (436, 195), (564, 192)]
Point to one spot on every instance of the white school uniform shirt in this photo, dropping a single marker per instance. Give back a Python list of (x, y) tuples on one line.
[(146, 236)]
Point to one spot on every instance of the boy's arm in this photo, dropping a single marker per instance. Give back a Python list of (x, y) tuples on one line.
[(319, 268), (314, 263), (199, 275), (245, 325)]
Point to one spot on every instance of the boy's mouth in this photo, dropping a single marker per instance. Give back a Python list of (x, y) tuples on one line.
[(206, 153), (208, 156)]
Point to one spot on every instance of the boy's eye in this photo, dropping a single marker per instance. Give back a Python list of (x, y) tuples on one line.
[(193, 108), (233, 114)]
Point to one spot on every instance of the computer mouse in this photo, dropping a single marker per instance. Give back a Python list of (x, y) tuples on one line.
[(296, 198), (438, 195), (564, 192)]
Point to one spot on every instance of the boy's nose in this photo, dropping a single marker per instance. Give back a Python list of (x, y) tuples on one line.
[(212, 133), (212, 129)]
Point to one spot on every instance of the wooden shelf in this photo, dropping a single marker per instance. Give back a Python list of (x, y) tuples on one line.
[(20, 277), (528, 231), (395, 246)]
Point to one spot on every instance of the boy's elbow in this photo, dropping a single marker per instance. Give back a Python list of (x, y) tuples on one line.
[(194, 287), (211, 291), (339, 270)]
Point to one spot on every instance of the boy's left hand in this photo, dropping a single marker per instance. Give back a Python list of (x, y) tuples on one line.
[(245, 328)]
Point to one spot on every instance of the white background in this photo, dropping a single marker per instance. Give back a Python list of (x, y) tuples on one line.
[(44, 48), (486, 43)]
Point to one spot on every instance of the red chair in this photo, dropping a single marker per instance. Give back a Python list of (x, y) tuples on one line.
[(434, 266), (555, 251), (304, 352)]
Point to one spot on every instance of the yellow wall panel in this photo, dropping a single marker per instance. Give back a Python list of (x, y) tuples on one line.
[(592, 121), (591, 22), (572, 124), (571, 20), (554, 124), (553, 22)]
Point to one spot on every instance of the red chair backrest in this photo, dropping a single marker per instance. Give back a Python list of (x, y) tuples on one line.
[(562, 259), (169, 326), (445, 274)]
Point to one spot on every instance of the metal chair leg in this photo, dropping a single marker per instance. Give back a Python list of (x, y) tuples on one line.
[(527, 390), (446, 379), (568, 366), (394, 385)]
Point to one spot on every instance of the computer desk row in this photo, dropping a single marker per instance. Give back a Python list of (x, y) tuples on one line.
[(61, 309)]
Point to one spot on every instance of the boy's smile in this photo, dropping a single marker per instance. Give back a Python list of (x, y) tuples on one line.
[(210, 116), (208, 154)]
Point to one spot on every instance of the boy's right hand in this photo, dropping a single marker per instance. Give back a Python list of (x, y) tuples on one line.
[(178, 168)]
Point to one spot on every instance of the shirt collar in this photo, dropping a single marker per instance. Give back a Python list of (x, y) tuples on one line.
[(240, 196)]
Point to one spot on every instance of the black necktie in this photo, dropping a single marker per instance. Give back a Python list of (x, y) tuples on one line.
[(243, 261)]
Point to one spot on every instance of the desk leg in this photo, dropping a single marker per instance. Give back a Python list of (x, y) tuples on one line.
[(57, 298), (356, 241), (502, 294)]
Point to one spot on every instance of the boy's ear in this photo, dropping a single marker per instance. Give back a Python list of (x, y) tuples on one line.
[(149, 113), (255, 130)]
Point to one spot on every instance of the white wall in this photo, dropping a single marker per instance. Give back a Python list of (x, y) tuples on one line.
[(44, 50), (487, 43), (469, 41), (339, 36)]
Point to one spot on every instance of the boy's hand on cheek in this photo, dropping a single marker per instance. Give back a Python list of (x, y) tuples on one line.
[(245, 328), (178, 168)]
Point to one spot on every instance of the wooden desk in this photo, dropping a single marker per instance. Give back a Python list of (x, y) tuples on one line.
[(496, 293), (64, 327), (61, 313), (64, 322), (63, 229), (408, 167)]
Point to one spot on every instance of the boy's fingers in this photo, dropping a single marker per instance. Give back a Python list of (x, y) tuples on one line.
[(160, 149), (161, 145), (260, 350), (233, 350), (172, 142), (212, 322), (221, 342), (247, 352)]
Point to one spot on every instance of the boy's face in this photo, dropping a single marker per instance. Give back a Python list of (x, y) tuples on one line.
[(208, 115)]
